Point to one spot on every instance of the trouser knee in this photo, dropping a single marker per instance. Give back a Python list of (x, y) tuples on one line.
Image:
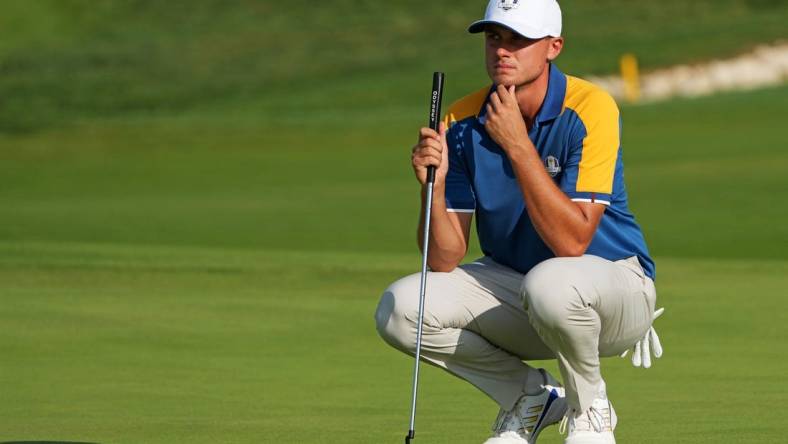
[(396, 316), (549, 297)]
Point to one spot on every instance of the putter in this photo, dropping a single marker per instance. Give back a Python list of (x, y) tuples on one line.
[(435, 115)]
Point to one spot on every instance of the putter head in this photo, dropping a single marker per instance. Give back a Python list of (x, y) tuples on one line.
[(411, 434)]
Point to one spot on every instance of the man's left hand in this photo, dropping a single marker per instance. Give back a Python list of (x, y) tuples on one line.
[(504, 121)]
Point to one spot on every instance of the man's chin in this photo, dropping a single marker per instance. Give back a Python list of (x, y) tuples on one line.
[(503, 79)]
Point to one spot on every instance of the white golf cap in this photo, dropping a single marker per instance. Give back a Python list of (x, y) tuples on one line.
[(530, 18)]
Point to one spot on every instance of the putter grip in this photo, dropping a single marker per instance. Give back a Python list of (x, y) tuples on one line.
[(435, 112)]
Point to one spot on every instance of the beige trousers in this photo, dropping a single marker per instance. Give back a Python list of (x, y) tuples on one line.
[(482, 320)]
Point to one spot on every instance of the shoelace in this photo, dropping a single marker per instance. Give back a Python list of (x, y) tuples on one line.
[(595, 419)]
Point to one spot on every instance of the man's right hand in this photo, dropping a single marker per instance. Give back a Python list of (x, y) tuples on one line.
[(431, 150)]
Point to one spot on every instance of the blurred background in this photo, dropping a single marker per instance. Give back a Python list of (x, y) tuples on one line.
[(201, 202)]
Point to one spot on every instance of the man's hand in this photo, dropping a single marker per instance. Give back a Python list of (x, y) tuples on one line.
[(431, 150), (505, 122)]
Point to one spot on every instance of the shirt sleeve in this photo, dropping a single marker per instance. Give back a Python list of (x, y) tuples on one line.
[(459, 192), (591, 165)]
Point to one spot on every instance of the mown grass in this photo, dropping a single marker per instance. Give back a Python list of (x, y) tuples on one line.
[(108, 343), (704, 179), (174, 281), (200, 203), (62, 60)]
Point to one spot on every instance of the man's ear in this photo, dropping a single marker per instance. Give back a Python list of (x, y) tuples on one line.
[(555, 47)]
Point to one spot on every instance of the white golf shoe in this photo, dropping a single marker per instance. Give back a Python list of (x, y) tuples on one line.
[(594, 426), (530, 415)]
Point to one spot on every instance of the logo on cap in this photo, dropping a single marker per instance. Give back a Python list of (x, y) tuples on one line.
[(508, 4)]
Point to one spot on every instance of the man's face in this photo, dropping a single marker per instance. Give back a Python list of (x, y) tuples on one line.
[(516, 60)]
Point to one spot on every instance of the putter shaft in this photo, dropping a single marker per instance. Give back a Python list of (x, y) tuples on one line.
[(435, 110)]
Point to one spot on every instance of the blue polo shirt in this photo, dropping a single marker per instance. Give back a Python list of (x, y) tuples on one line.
[(577, 135)]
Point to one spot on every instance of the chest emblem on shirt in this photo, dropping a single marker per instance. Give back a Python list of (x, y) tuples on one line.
[(552, 166), (508, 4)]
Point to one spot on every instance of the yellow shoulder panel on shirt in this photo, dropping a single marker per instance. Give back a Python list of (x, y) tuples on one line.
[(599, 114), (466, 107)]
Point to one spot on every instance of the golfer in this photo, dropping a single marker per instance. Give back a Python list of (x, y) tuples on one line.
[(566, 273)]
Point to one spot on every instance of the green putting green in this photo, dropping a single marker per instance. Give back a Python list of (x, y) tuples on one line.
[(172, 283)]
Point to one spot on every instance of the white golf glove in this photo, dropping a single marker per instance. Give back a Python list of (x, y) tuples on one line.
[(641, 351)]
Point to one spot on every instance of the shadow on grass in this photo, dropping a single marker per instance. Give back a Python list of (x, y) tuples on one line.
[(46, 442)]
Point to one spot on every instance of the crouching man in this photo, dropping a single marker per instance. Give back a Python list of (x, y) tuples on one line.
[(566, 273)]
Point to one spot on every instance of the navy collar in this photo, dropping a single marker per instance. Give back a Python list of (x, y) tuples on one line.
[(553, 101)]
